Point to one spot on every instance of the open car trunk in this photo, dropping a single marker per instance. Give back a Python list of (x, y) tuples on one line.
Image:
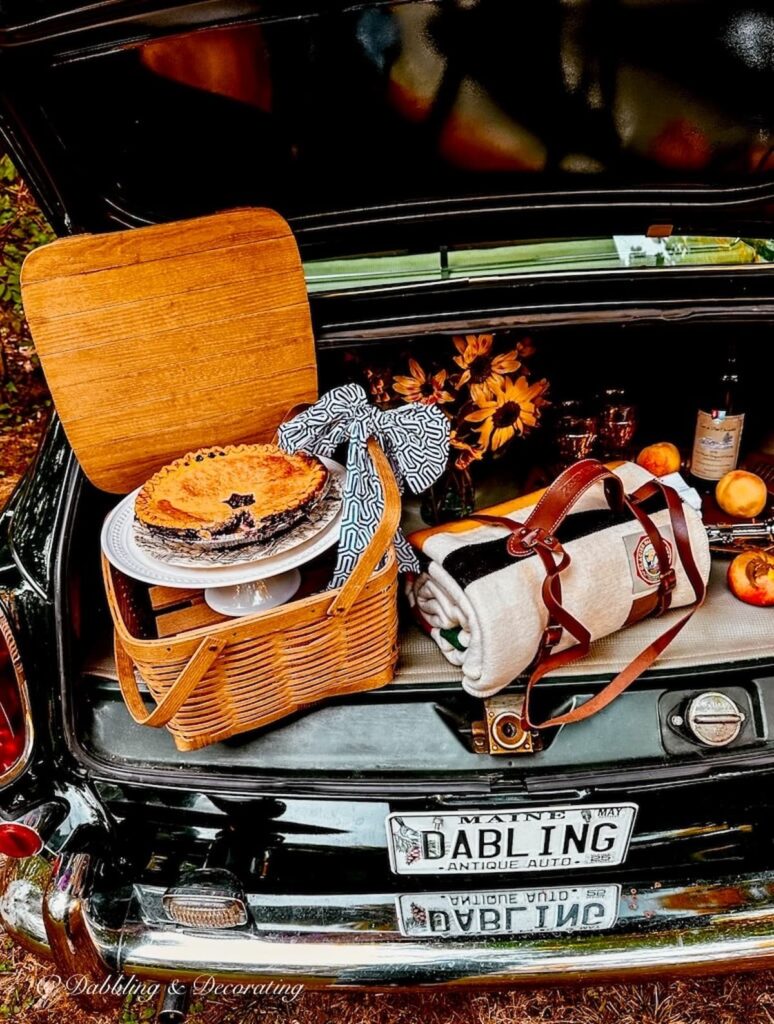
[(419, 727), (441, 135)]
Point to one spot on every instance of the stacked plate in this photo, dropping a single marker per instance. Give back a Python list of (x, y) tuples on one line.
[(224, 576)]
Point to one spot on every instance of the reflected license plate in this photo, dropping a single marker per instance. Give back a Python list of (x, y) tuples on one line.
[(509, 911)]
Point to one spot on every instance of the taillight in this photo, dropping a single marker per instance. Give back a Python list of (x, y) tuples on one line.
[(17, 840), (26, 835), (206, 898), (15, 722)]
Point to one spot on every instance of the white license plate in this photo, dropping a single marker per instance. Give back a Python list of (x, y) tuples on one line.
[(509, 911), (527, 839)]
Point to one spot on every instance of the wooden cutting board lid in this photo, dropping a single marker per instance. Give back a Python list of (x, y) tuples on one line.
[(163, 339)]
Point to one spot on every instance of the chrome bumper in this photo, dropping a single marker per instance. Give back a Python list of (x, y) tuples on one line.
[(353, 942)]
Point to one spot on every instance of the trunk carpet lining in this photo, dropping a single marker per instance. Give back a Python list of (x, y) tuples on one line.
[(723, 631)]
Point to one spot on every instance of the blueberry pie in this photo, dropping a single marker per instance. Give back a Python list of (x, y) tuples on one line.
[(225, 496)]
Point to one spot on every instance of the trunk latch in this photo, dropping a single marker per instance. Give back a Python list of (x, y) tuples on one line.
[(500, 731)]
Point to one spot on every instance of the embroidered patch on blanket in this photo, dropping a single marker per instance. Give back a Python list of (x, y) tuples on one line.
[(643, 561)]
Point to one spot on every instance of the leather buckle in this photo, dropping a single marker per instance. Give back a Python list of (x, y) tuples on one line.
[(517, 544), (521, 542), (551, 543)]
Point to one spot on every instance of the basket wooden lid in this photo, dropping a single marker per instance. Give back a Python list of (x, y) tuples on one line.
[(163, 339)]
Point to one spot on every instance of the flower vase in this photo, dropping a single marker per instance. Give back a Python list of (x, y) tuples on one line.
[(452, 496)]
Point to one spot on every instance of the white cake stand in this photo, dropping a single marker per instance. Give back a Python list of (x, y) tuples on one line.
[(238, 589), (260, 595)]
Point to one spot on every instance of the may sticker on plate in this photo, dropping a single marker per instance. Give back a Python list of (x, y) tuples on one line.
[(523, 839)]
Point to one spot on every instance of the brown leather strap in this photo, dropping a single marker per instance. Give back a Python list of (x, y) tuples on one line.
[(536, 534), (683, 540), (642, 607), (569, 487), (667, 578), (648, 656)]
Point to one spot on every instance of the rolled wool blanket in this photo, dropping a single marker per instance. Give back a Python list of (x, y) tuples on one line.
[(484, 608)]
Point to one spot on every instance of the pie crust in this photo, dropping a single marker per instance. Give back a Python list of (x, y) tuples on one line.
[(234, 495)]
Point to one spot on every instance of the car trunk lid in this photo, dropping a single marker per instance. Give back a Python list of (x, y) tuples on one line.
[(391, 120)]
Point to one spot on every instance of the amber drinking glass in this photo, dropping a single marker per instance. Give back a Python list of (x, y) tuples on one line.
[(617, 423), (575, 431)]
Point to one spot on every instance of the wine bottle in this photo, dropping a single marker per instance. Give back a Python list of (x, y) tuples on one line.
[(719, 425)]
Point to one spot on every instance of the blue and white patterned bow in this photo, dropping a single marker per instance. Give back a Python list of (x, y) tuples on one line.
[(414, 437)]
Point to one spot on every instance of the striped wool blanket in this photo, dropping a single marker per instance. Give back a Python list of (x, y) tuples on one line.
[(484, 609)]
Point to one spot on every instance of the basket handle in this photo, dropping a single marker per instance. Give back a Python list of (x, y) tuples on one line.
[(381, 539), (205, 654)]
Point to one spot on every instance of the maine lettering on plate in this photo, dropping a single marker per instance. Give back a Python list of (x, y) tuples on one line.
[(523, 839)]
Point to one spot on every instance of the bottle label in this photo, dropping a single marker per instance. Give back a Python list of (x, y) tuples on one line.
[(716, 444)]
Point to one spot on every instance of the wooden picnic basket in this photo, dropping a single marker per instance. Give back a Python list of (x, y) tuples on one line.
[(161, 340)]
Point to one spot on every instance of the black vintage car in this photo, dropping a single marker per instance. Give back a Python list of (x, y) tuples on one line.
[(595, 174)]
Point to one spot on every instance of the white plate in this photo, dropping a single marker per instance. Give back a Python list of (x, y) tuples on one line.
[(122, 551), (560, 838), (566, 908)]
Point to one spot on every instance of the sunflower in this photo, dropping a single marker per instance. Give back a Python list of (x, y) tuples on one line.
[(467, 452), (511, 407), (423, 387), (479, 393), (478, 364)]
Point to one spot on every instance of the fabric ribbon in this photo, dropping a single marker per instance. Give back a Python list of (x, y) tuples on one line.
[(415, 439)]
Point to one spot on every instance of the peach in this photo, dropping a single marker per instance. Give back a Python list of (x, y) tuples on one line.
[(660, 459), (751, 577), (742, 494)]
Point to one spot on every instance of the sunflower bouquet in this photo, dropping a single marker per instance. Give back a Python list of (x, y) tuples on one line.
[(485, 389)]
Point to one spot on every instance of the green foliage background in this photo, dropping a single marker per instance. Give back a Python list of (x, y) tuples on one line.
[(22, 228), (24, 400)]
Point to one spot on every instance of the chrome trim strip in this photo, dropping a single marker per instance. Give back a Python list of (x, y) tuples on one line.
[(69, 931), (700, 929), (359, 961)]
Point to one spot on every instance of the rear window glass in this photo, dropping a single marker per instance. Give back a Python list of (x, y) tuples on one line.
[(580, 254)]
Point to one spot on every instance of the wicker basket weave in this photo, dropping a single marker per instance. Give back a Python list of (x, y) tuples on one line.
[(216, 681)]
